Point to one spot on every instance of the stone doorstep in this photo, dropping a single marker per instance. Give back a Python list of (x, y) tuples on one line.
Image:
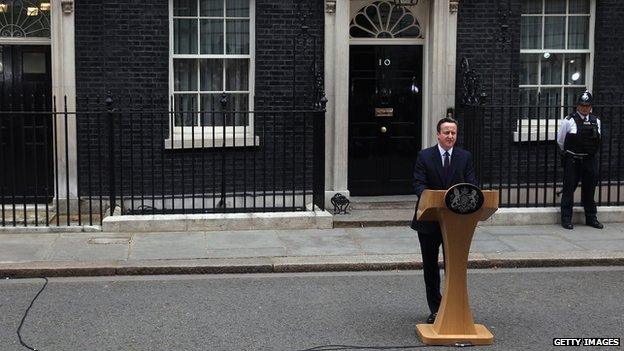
[(394, 202), (218, 222)]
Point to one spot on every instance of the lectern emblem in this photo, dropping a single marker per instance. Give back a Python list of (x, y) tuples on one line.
[(464, 198)]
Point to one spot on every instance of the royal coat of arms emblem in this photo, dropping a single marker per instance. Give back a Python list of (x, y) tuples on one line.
[(464, 198)]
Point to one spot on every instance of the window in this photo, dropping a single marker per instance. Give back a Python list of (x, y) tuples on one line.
[(211, 58), (555, 53)]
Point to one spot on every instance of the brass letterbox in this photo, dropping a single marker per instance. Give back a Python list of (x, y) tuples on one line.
[(384, 111)]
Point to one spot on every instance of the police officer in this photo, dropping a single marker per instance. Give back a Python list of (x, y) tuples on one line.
[(579, 139)]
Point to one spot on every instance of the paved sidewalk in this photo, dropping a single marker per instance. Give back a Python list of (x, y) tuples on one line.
[(372, 248)]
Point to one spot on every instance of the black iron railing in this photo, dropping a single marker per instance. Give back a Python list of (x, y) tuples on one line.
[(63, 167), (515, 151)]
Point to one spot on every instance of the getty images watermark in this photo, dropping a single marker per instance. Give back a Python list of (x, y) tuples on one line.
[(586, 341)]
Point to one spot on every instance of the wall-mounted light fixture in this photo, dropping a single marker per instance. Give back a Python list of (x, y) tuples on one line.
[(67, 5), (44, 6), (4, 8)]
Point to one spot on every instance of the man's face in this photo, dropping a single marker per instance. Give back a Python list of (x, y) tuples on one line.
[(447, 135), (584, 109)]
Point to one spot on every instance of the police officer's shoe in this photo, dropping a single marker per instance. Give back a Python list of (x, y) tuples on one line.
[(594, 223), (567, 225), (431, 318)]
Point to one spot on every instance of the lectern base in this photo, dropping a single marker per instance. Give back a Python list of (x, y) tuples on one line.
[(429, 336)]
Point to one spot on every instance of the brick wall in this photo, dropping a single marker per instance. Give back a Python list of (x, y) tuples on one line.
[(488, 35), (608, 85), (277, 24), (609, 51), (479, 35), (491, 49), (490, 130), (123, 47)]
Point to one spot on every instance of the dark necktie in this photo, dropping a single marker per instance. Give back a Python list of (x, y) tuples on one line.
[(447, 164)]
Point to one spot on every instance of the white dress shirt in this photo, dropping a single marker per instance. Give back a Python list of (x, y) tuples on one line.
[(569, 126)]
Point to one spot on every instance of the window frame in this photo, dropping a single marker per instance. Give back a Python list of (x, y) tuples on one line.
[(181, 137), (589, 64), (522, 133)]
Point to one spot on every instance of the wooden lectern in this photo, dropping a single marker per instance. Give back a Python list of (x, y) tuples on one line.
[(454, 321)]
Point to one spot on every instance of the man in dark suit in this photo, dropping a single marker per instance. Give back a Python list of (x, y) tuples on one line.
[(438, 168)]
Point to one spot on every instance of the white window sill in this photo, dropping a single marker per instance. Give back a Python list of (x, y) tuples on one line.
[(539, 130), (206, 143)]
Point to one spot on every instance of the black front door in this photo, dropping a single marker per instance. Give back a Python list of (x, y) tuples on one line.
[(25, 138), (385, 113)]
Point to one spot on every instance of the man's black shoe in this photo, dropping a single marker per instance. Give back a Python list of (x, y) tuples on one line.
[(567, 225), (432, 318), (594, 223)]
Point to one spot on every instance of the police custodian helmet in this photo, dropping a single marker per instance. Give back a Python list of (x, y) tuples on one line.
[(585, 98)]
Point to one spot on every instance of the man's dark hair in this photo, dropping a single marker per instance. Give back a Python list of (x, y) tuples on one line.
[(446, 120)]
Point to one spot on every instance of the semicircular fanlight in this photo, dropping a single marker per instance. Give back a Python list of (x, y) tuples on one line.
[(383, 19), (24, 19)]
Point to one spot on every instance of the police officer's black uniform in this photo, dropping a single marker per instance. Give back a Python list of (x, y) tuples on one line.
[(580, 163)]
